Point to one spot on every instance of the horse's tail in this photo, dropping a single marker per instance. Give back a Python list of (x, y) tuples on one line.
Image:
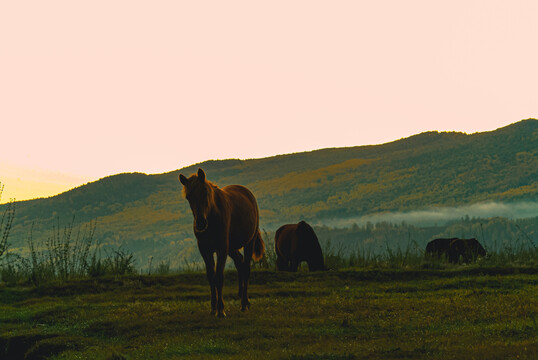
[(259, 246)]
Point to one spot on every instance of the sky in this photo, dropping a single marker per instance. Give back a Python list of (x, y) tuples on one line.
[(95, 88)]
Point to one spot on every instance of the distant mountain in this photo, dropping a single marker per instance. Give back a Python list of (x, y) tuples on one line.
[(146, 213)]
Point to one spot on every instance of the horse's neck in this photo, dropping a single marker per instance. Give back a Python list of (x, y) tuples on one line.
[(218, 198)]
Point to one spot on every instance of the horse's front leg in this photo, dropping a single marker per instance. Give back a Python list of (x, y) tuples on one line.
[(282, 264), (210, 272), (219, 281)]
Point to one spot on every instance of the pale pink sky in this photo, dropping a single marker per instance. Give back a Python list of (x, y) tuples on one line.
[(94, 88)]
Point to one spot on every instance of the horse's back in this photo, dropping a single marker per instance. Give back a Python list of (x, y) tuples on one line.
[(238, 192)]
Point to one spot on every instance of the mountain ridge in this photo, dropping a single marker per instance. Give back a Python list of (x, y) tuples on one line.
[(427, 169)]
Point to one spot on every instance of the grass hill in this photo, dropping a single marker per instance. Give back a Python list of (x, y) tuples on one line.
[(148, 213)]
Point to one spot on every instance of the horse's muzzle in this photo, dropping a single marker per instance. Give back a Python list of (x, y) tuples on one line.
[(201, 224)]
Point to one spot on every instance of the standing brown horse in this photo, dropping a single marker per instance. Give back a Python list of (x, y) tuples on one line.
[(225, 220)]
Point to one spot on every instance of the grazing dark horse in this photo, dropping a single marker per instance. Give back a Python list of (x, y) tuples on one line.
[(439, 247), (453, 248), (225, 220), (468, 249), (295, 243)]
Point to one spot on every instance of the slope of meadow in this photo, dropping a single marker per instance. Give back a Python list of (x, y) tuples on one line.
[(462, 313)]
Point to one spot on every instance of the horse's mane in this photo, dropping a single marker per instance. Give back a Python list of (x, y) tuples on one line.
[(207, 183), (213, 185)]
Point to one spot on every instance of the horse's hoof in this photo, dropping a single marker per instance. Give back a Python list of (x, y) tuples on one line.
[(221, 314), (213, 312), (244, 308)]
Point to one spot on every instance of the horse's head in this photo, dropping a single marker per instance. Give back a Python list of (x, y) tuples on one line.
[(198, 191), (313, 248)]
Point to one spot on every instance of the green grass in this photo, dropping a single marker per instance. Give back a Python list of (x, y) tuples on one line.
[(465, 312)]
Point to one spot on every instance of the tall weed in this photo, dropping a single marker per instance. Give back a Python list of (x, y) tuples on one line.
[(5, 223), (64, 255), (120, 262), (68, 253)]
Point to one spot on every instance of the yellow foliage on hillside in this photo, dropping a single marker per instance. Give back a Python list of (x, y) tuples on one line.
[(310, 179), (522, 190)]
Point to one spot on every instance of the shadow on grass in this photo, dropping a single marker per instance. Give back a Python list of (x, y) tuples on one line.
[(38, 346)]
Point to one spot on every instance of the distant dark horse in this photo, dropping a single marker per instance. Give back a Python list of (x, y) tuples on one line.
[(453, 248), (439, 247), (295, 243), (225, 220)]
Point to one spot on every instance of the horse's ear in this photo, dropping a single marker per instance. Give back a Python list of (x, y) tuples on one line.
[(183, 179), (201, 174)]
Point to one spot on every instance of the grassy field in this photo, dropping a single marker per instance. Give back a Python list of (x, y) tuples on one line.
[(459, 313)]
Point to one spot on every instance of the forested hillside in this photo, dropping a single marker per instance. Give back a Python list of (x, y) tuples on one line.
[(147, 213)]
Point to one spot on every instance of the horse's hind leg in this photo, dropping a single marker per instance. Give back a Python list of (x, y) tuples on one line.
[(238, 261), (248, 249), (282, 264)]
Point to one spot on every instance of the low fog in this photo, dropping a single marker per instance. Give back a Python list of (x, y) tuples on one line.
[(442, 215)]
